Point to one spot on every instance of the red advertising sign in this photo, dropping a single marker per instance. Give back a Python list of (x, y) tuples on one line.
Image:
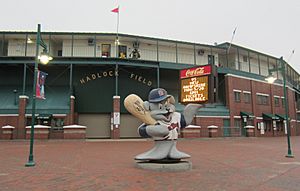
[(197, 71)]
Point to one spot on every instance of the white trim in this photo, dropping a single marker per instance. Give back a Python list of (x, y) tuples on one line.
[(29, 115), (249, 127), (59, 115), (293, 120), (74, 127), (298, 121), (8, 127), (237, 117), (276, 96), (259, 117), (282, 97), (116, 97), (72, 97), (9, 115), (246, 92), (262, 94), (212, 127), (213, 116), (193, 126), (23, 96), (54, 115), (39, 127), (234, 90)]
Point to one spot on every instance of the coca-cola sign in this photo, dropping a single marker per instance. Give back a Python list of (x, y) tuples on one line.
[(197, 71)]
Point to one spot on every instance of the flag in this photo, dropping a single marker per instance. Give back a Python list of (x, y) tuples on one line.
[(115, 10), (40, 85)]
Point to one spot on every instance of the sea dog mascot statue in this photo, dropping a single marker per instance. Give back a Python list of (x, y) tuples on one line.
[(161, 123)]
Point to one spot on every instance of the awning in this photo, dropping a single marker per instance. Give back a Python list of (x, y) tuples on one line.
[(270, 116), (281, 117), (247, 114), (297, 90)]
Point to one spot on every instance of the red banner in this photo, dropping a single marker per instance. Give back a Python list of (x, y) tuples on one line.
[(197, 71), (40, 85)]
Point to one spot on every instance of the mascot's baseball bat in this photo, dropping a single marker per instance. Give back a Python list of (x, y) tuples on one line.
[(134, 104)]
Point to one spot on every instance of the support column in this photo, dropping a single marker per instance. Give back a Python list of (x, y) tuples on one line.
[(20, 130), (72, 110), (115, 129)]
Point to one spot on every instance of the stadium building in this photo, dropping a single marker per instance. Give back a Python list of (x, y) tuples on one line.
[(92, 73)]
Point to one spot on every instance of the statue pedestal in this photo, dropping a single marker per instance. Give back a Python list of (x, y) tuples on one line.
[(177, 166)]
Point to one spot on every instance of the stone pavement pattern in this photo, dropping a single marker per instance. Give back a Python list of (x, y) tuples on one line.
[(218, 164)]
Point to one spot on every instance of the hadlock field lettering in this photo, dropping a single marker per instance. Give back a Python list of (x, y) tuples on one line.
[(112, 73)]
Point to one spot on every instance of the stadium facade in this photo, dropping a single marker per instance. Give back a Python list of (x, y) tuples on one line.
[(91, 74)]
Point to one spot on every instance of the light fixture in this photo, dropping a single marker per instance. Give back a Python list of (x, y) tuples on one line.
[(117, 41), (44, 58), (270, 79), (29, 41)]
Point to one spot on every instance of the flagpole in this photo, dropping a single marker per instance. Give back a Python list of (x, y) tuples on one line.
[(117, 54), (291, 55), (231, 40), (118, 22)]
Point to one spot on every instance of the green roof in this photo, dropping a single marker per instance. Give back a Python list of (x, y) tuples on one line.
[(270, 116), (247, 114)]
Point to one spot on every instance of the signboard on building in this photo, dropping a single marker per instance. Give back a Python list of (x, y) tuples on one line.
[(194, 84)]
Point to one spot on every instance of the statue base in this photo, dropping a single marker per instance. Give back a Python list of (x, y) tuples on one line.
[(165, 165)]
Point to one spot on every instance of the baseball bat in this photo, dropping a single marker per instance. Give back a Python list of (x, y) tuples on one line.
[(134, 104)]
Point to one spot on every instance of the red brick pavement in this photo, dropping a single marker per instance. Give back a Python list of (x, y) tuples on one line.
[(218, 164)]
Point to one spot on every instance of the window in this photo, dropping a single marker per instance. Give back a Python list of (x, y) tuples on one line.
[(237, 96), (245, 58), (57, 123), (282, 101), (122, 51), (237, 123), (247, 97), (105, 50), (262, 100), (211, 59), (276, 101)]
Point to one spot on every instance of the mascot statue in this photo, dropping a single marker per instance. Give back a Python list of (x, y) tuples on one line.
[(161, 123)]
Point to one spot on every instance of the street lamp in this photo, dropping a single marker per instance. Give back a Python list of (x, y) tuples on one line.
[(44, 59), (271, 79)]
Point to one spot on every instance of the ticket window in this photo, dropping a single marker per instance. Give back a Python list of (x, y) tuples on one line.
[(105, 50), (39, 120), (122, 51), (57, 123)]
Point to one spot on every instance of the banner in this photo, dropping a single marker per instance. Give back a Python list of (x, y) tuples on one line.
[(40, 85)]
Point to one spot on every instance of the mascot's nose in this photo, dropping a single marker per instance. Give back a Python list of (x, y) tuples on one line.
[(168, 109)]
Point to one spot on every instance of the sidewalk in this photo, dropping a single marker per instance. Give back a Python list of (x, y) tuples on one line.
[(218, 164)]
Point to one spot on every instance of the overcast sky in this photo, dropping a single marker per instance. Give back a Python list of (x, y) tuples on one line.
[(268, 26)]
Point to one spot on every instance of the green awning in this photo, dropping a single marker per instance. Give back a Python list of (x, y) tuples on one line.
[(270, 116), (247, 114), (281, 116)]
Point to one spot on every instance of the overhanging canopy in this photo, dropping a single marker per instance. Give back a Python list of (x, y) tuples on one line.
[(270, 116), (246, 114)]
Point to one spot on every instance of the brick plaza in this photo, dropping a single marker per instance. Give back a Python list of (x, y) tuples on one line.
[(218, 164)]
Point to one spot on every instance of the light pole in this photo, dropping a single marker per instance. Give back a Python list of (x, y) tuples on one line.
[(44, 59), (271, 79)]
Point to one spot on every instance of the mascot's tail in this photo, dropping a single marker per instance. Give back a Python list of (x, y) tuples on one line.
[(189, 112)]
